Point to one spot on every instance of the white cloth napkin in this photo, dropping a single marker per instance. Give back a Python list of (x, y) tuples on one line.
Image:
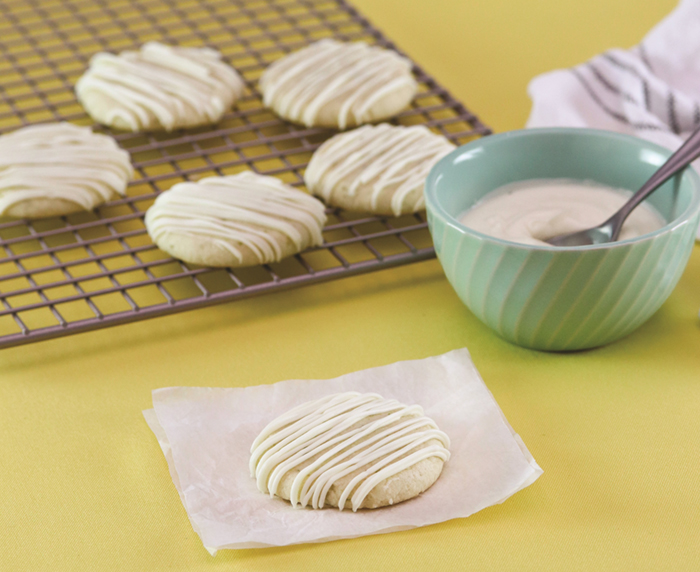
[(206, 433), (651, 91)]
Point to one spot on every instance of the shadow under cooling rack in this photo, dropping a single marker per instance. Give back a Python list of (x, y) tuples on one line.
[(95, 269)]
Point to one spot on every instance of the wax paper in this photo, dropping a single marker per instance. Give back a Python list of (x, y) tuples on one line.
[(206, 434)]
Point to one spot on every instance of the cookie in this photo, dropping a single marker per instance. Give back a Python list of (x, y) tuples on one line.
[(349, 450), (59, 168), (378, 169), (158, 87), (234, 221), (340, 85)]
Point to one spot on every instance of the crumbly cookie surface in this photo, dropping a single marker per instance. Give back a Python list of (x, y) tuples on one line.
[(349, 450)]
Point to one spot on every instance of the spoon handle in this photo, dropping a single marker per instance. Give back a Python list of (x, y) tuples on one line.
[(686, 154)]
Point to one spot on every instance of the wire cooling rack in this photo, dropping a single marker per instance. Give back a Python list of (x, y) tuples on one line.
[(91, 270)]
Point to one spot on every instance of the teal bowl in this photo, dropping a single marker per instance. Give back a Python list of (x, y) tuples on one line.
[(569, 298)]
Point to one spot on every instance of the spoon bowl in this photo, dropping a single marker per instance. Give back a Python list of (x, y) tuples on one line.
[(596, 235), (610, 229)]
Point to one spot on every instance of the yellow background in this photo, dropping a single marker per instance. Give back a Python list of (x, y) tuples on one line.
[(84, 486)]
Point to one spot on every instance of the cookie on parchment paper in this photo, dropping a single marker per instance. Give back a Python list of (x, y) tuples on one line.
[(349, 450)]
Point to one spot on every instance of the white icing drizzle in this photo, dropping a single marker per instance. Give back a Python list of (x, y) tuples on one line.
[(238, 209), (325, 430), (61, 161), (160, 85), (388, 158), (299, 85)]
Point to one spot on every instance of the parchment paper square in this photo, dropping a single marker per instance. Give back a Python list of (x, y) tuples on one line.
[(206, 434)]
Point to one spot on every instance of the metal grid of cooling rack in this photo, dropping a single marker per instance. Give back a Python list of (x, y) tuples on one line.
[(91, 270)]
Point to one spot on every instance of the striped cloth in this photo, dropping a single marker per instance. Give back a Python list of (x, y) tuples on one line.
[(651, 91)]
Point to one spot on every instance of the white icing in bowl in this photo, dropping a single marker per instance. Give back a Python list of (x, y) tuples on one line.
[(530, 212)]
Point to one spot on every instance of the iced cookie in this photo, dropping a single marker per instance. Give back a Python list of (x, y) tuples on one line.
[(59, 168), (158, 87), (336, 84), (233, 221), (349, 450), (379, 169)]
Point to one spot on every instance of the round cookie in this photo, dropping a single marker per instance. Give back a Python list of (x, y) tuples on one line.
[(158, 87), (340, 85), (59, 168), (234, 221), (379, 169), (349, 450)]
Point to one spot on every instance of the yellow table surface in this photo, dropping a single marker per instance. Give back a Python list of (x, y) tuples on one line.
[(84, 486)]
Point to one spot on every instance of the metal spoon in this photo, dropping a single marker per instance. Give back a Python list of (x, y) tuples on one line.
[(609, 231)]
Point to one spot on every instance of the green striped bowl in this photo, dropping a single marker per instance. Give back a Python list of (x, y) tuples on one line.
[(560, 298)]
